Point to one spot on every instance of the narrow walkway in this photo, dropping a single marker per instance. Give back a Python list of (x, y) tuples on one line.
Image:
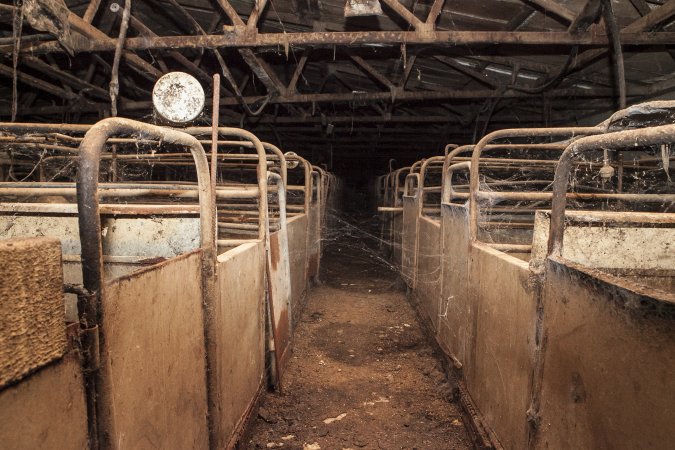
[(362, 375)]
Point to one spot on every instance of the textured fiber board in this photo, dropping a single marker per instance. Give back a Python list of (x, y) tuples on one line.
[(32, 311), (46, 410), (239, 317), (153, 358)]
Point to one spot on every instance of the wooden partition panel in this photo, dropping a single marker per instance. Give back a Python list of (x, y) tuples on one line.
[(428, 285), (608, 364), (42, 395), (297, 249), (503, 353), (239, 318), (46, 410), (314, 240), (396, 237), (456, 314), (153, 358), (409, 239)]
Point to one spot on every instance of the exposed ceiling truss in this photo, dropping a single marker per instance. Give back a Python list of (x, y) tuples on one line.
[(439, 69)]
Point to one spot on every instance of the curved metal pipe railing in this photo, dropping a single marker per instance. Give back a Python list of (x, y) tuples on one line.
[(87, 185), (620, 139)]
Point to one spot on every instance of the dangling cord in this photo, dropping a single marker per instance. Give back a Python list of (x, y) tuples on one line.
[(17, 26), (613, 30), (114, 78)]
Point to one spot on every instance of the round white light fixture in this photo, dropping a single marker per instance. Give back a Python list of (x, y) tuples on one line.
[(178, 97)]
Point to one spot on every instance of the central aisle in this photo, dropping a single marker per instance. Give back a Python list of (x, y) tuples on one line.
[(362, 375)]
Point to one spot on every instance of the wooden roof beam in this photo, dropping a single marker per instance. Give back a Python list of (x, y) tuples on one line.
[(65, 77), (231, 13), (143, 30), (434, 12), (94, 34), (645, 23), (557, 9), (263, 71), (298, 71), (258, 9), (38, 83), (476, 75), (589, 13), (402, 11), (353, 38), (370, 70)]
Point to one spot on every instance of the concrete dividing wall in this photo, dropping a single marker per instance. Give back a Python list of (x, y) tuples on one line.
[(239, 317), (612, 244), (500, 366), (297, 249), (428, 285), (153, 358), (163, 236), (608, 363)]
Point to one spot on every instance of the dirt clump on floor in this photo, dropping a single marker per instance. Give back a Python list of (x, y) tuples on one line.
[(362, 375)]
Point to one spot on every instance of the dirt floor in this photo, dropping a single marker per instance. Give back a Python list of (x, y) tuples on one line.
[(362, 375)]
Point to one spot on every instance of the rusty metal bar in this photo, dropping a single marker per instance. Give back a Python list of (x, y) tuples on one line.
[(105, 209), (448, 193), (511, 248), (262, 164)]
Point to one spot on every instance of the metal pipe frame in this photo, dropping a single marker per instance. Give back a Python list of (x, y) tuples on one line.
[(262, 163), (89, 220), (619, 139), (567, 133)]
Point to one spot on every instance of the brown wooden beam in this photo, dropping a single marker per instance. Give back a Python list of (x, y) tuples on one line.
[(37, 83), (476, 75), (402, 11), (369, 97), (369, 69), (656, 17), (555, 8), (355, 38), (91, 11), (231, 13), (586, 16), (94, 35), (298, 71), (263, 71), (519, 19), (434, 12), (407, 70), (143, 30), (258, 9), (65, 77)]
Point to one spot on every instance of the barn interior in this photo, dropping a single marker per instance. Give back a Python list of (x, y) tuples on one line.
[(337, 224)]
